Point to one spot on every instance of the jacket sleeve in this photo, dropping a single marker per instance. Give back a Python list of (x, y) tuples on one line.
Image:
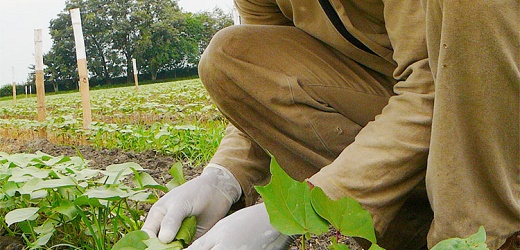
[(248, 162), (265, 12), (388, 157)]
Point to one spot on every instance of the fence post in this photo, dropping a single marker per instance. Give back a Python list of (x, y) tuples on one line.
[(135, 75), (14, 88), (81, 57), (39, 77), (236, 16)]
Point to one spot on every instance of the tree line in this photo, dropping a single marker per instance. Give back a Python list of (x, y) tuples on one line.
[(166, 41)]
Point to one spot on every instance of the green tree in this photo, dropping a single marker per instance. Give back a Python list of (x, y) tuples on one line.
[(156, 32), (160, 33), (205, 24), (61, 59), (123, 24)]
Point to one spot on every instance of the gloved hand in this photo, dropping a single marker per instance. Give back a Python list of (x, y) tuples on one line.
[(207, 197), (248, 228)]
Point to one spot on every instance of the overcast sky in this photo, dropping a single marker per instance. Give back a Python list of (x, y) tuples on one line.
[(19, 18)]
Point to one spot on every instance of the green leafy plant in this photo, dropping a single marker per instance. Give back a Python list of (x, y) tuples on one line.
[(160, 117), (61, 202), (476, 241), (289, 206), (295, 209), (139, 240)]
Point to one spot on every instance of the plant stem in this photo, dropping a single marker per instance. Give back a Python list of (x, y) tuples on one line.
[(89, 226)]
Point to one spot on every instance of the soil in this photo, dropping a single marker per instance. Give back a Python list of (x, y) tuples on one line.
[(156, 163)]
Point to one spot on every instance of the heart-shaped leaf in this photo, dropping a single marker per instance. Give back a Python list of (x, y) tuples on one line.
[(289, 206), (476, 241), (21, 214), (345, 214)]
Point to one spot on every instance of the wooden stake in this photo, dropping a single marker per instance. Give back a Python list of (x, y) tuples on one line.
[(81, 57), (236, 16), (39, 77), (135, 75), (14, 89)]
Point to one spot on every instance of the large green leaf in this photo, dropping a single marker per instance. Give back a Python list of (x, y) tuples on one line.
[(156, 244), (187, 230), (476, 241), (26, 174), (86, 174), (56, 183), (10, 188), (139, 240), (31, 186), (345, 214), (41, 240), (20, 160), (57, 160), (336, 246), (116, 172), (107, 193), (49, 226), (21, 214), (132, 241), (84, 200), (145, 180), (67, 208), (289, 206), (374, 246), (176, 171), (143, 196)]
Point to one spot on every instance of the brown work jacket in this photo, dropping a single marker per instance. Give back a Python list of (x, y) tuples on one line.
[(391, 151)]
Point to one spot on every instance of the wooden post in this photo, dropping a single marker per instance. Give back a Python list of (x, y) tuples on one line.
[(14, 89), (25, 91), (236, 16), (39, 78), (81, 57), (135, 75)]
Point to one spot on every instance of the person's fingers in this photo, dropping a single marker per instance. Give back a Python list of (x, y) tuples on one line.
[(171, 222), (152, 224)]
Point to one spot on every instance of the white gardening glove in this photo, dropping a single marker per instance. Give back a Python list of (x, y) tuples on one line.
[(246, 229), (207, 197)]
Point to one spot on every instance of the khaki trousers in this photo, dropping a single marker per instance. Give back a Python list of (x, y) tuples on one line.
[(473, 174), (288, 93)]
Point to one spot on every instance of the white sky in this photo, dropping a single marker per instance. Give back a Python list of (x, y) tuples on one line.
[(19, 18)]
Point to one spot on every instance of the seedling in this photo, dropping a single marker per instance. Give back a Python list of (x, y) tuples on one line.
[(295, 209)]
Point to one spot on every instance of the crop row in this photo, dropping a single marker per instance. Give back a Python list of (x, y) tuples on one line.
[(175, 118)]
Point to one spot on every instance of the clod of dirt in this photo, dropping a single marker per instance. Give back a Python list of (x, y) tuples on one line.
[(10, 243)]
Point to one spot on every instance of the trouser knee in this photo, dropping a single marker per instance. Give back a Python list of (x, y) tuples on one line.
[(224, 47)]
